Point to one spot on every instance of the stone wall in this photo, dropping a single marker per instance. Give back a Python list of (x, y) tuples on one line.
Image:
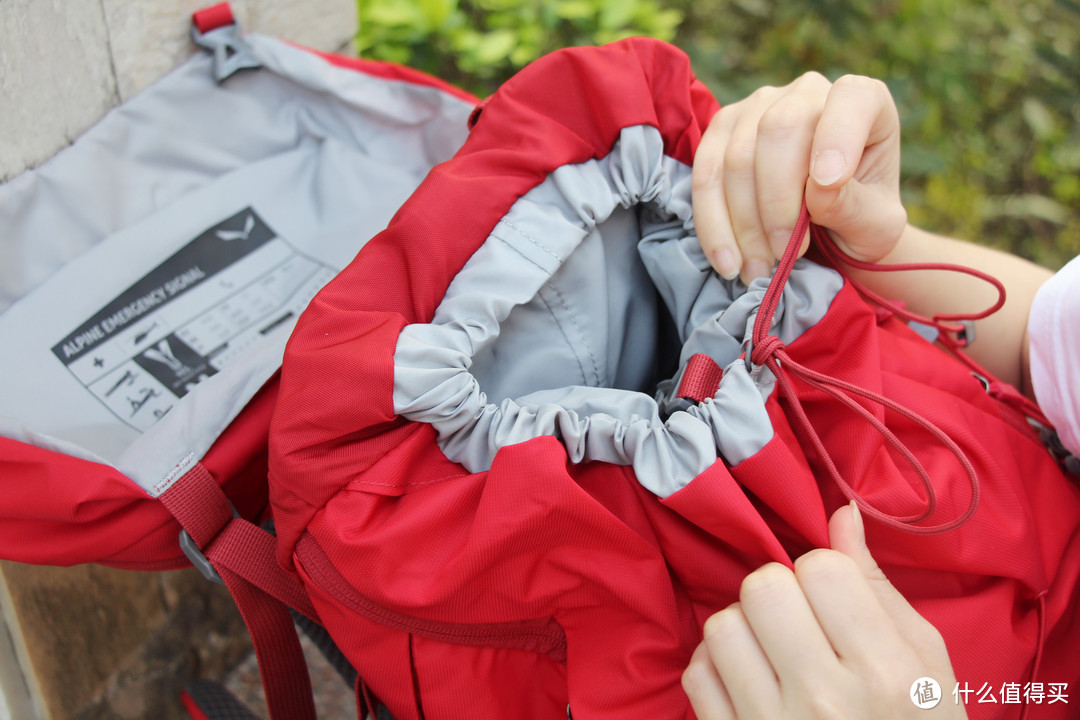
[(94, 643), (63, 64), (91, 643)]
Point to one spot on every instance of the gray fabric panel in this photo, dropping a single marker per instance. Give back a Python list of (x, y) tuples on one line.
[(324, 155), (185, 131), (554, 327)]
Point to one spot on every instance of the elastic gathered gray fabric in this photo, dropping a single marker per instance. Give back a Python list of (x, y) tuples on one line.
[(565, 320)]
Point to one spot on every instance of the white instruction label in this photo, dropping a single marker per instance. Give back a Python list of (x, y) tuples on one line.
[(186, 319)]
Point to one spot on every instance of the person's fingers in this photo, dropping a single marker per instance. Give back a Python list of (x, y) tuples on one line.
[(850, 613), (740, 191), (711, 219), (785, 136), (853, 186), (786, 628), (705, 689), (742, 665), (847, 535)]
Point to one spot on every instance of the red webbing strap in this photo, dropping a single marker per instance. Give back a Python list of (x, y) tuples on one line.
[(282, 665), (701, 378), (248, 551), (212, 18), (199, 504), (243, 555)]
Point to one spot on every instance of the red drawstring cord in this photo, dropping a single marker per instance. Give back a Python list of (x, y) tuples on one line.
[(769, 351), (948, 325), (836, 256)]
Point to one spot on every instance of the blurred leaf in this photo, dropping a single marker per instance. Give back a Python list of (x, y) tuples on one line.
[(921, 160), (665, 23), (988, 92), (494, 46), (616, 14), (1069, 5), (437, 11), (1038, 118), (395, 13), (575, 10), (1035, 206)]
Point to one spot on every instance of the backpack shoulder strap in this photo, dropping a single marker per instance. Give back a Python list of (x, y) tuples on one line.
[(236, 552)]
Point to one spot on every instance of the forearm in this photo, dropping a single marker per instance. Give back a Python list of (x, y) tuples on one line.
[(1001, 344)]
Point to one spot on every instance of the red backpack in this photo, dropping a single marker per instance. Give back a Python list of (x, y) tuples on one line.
[(528, 441)]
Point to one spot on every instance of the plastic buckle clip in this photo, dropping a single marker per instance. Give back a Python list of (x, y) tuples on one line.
[(230, 51), (966, 336), (196, 556)]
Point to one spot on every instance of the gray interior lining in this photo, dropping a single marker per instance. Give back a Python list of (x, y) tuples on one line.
[(556, 326), (324, 155)]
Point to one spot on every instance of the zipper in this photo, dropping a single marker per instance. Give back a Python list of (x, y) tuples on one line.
[(539, 635)]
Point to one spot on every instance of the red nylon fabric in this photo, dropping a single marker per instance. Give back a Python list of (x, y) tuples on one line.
[(769, 351), (213, 17), (397, 280), (630, 578), (90, 512)]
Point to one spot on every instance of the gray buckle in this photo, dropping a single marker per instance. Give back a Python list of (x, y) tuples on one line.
[(195, 555), (230, 51), (967, 335)]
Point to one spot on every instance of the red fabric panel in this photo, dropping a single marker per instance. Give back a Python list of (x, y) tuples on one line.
[(60, 510), (468, 552)]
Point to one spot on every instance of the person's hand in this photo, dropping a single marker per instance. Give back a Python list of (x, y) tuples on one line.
[(837, 143), (832, 639)]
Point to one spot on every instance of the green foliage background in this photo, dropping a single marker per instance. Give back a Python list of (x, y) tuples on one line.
[(989, 93)]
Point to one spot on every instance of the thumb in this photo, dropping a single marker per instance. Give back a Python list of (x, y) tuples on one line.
[(827, 195), (847, 535), (853, 188), (865, 219)]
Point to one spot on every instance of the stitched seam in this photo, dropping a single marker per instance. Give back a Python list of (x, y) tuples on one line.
[(527, 237), (181, 467), (580, 333), (562, 330), (524, 257), (408, 484)]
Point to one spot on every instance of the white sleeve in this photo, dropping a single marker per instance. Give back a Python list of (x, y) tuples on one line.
[(1054, 335)]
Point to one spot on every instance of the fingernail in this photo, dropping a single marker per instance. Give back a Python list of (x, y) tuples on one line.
[(828, 167), (856, 517), (724, 262), (755, 269)]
